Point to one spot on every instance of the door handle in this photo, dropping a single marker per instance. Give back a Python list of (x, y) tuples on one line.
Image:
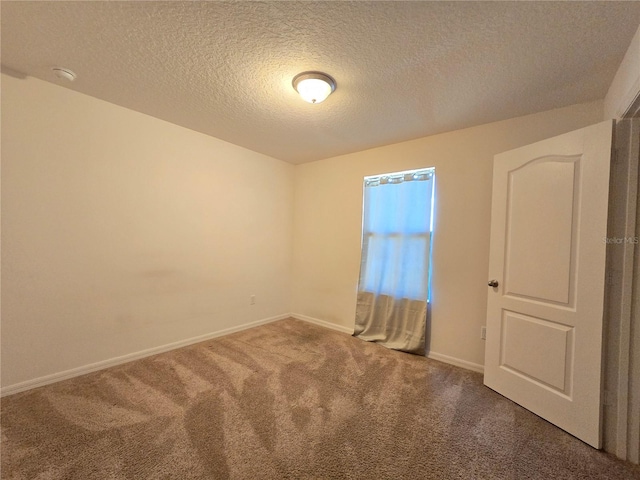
[(493, 283)]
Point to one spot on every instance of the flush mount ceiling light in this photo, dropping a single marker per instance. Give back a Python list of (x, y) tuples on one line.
[(314, 87)]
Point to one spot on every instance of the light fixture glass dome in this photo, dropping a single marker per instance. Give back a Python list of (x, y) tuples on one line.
[(314, 87)]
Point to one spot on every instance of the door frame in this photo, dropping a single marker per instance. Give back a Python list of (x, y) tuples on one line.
[(622, 299), (622, 313)]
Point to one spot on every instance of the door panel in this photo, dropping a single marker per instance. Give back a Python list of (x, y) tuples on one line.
[(540, 200), (544, 318), (538, 349)]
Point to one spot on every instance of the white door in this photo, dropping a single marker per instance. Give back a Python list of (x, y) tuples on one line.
[(547, 257)]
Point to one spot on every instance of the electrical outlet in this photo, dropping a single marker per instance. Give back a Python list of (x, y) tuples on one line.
[(483, 333), (252, 300)]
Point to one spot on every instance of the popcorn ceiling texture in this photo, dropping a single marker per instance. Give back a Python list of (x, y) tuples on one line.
[(404, 69)]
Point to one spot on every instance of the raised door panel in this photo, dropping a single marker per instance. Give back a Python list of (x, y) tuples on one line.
[(541, 208)]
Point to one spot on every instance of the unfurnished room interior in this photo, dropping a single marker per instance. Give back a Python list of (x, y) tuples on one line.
[(320, 240)]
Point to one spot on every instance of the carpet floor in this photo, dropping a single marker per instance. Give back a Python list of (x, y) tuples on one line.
[(286, 400)]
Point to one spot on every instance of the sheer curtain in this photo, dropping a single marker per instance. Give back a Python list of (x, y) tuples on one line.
[(394, 272)]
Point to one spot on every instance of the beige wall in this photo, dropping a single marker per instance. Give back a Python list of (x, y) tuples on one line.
[(122, 232), (327, 222), (621, 97)]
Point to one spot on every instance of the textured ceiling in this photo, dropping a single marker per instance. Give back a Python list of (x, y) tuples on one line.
[(404, 69)]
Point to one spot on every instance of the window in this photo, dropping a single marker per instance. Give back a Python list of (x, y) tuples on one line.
[(396, 234)]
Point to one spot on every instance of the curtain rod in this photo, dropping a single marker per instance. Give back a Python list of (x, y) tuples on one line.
[(420, 174)]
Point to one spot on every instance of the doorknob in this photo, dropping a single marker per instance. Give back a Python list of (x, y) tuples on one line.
[(493, 283)]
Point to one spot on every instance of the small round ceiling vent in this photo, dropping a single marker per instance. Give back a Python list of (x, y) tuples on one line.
[(64, 73)]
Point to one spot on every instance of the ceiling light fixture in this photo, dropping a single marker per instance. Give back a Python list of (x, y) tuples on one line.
[(314, 87)]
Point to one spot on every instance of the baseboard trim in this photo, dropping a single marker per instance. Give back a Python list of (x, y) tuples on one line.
[(322, 323), (458, 362), (112, 362)]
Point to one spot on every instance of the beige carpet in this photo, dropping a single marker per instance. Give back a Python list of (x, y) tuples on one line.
[(286, 400)]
